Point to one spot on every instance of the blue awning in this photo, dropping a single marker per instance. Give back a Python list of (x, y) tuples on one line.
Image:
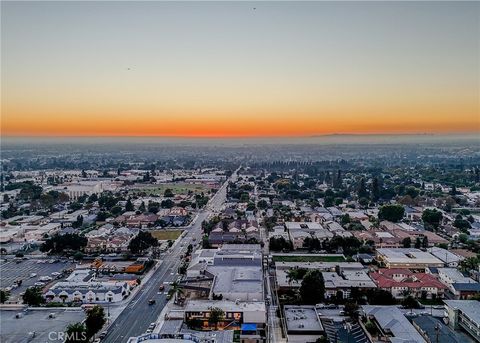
[(249, 327)]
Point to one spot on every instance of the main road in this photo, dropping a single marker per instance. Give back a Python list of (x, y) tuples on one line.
[(138, 314)]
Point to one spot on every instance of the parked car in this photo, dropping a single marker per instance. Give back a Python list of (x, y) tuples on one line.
[(151, 301)]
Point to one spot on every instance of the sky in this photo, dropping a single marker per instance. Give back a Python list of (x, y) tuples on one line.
[(239, 69)]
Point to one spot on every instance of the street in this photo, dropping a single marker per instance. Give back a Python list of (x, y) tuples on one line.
[(138, 314)]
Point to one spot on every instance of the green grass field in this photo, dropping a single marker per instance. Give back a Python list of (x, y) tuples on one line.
[(165, 235), (177, 188), (298, 258)]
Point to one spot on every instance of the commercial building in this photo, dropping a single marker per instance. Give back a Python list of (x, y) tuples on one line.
[(302, 323), (235, 313), (464, 314), (448, 258), (409, 258), (341, 282), (282, 268)]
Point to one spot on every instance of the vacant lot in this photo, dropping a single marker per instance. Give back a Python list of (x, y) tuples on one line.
[(308, 258), (164, 235), (176, 187)]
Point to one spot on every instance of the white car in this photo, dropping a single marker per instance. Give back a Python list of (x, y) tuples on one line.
[(32, 275), (45, 278), (39, 284), (56, 274)]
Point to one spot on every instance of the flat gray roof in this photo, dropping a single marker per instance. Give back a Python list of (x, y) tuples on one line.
[(16, 330), (302, 318)]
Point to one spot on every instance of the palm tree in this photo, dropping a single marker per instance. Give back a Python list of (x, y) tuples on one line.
[(76, 333), (176, 290), (216, 315), (292, 275)]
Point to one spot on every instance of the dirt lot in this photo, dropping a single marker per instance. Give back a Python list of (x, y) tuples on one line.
[(164, 235)]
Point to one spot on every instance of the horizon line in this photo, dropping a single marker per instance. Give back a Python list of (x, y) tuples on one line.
[(404, 134)]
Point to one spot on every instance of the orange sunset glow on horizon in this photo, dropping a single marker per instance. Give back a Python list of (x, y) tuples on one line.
[(221, 69)]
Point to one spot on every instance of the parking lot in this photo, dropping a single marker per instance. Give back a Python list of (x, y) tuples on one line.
[(38, 324), (12, 271)]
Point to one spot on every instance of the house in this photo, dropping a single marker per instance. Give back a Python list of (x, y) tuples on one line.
[(402, 282), (393, 325)]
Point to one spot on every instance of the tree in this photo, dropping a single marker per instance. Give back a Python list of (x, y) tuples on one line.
[(393, 213), (102, 216), (216, 316), (142, 242), (129, 206), (62, 243), (168, 193), (76, 333), (432, 217), (351, 309), (142, 207), (95, 320), (371, 328), (33, 296), (418, 243), (176, 290), (410, 302), (78, 222), (3, 296), (262, 204), (375, 189), (380, 297), (345, 219), (312, 289), (295, 274), (469, 264), (463, 238), (337, 182), (362, 189), (461, 223), (407, 242), (167, 203), (279, 244), (425, 242)]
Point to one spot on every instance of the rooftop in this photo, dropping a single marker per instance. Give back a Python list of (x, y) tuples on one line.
[(392, 320), (469, 307), (226, 305), (302, 318)]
